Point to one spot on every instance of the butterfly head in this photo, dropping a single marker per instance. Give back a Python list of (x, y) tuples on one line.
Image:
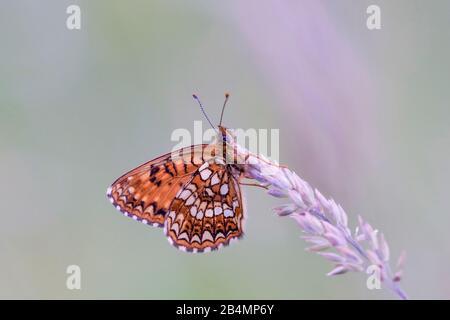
[(226, 135), (226, 139), (228, 147)]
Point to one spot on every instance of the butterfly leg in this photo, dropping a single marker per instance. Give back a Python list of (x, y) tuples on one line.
[(254, 185)]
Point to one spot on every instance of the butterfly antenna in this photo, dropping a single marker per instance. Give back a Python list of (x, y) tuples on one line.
[(227, 95), (203, 110)]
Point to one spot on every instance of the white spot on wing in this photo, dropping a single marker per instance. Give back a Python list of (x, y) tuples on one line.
[(205, 174), (175, 227), (215, 179), (224, 189), (184, 236), (209, 213), (191, 187), (204, 166), (219, 235), (195, 238), (219, 161), (190, 200), (217, 211), (185, 194), (228, 213), (207, 236), (193, 211)]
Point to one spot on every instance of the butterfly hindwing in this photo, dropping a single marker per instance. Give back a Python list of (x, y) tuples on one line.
[(207, 212)]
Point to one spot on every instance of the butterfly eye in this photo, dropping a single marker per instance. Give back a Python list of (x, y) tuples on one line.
[(227, 138)]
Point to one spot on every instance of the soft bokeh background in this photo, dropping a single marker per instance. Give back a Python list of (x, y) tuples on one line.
[(363, 116)]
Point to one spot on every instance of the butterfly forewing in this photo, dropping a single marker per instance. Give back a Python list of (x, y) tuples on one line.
[(146, 192)]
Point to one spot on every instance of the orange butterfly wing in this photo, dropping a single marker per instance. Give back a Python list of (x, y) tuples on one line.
[(207, 212), (146, 192)]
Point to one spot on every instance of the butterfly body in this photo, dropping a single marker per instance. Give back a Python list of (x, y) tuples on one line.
[(194, 193)]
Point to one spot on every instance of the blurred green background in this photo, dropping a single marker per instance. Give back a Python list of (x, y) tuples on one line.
[(363, 116)]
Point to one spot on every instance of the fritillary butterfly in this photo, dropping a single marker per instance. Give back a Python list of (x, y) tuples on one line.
[(194, 193)]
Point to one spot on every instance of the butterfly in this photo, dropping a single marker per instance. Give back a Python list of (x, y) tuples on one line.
[(193, 193)]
